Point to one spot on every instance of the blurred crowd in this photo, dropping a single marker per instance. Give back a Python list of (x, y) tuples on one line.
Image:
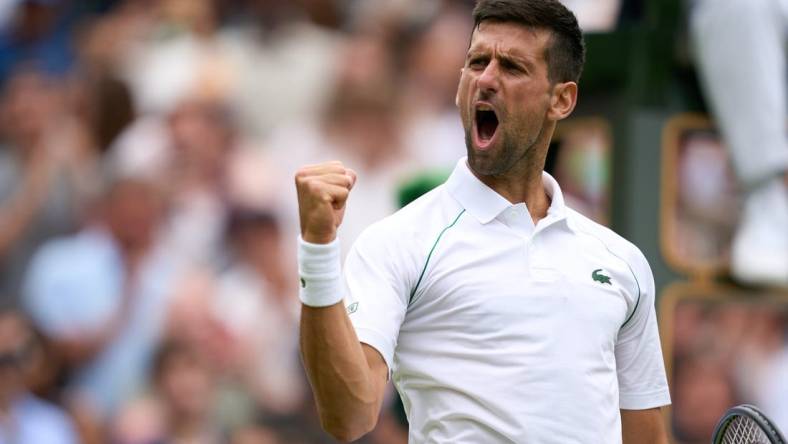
[(709, 202), (147, 213), (727, 352)]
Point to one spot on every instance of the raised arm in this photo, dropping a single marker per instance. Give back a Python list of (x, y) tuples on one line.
[(347, 378)]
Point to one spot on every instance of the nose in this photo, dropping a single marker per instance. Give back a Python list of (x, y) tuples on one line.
[(489, 79)]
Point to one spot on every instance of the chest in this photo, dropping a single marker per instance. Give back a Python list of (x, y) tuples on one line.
[(553, 289)]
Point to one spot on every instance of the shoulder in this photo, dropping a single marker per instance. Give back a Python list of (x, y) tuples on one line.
[(43, 409), (55, 257), (416, 223), (79, 269), (401, 242), (47, 420), (72, 252), (616, 244)]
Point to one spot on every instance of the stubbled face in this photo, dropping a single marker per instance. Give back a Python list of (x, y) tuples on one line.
[(504, 96)]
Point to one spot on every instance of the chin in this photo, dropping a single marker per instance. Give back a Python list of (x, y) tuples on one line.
[(483, 162), (480, 161)]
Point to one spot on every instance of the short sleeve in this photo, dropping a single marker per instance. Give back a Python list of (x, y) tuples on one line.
[(378, 275), (68, 290), (641, 371)]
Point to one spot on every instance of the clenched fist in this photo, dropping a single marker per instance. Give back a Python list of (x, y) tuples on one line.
[(322, 190)]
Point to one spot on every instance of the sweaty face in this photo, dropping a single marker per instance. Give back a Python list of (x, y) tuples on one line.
[(503, 96)]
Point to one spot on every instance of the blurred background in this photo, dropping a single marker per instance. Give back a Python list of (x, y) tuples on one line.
[(148, 214)]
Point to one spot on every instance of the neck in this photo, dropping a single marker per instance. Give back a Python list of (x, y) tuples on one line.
[(523, 182)]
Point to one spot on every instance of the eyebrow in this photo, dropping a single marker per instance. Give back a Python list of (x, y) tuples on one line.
[(517, 59), (526, 61)]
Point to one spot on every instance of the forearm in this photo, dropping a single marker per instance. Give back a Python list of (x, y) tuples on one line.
[(346, 391), (347, 379)]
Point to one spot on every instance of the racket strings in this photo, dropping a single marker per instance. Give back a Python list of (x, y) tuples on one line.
[(743, 430)]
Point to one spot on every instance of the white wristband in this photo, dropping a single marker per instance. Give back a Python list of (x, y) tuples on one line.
[(321, 273)]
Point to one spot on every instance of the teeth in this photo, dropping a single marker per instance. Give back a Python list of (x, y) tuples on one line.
[(483, 107)]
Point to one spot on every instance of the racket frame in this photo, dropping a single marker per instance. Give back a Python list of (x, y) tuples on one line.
[(752, 412)]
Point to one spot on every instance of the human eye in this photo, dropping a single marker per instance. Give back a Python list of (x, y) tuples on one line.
[(477, 62), (512, 66)]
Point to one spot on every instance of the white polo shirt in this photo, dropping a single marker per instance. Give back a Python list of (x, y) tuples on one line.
[(498, 331)]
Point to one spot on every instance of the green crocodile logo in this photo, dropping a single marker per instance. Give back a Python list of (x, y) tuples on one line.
[(601, 278), (352, 308)]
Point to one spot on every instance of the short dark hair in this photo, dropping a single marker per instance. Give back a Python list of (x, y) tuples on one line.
[(565, 54)]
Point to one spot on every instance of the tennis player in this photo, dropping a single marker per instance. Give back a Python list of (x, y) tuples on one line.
[(501, 314)]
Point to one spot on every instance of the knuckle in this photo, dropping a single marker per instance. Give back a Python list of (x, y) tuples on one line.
[(313, 186), (301, 175)]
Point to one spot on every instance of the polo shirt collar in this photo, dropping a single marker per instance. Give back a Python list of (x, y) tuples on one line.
[(485, 204)]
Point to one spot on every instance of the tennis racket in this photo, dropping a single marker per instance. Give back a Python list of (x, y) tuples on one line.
[(745, 424)]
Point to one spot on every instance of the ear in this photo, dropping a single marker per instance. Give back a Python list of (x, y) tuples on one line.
[(459, 84), (562, 100)]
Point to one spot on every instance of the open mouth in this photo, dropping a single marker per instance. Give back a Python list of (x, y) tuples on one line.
[(486, 125)]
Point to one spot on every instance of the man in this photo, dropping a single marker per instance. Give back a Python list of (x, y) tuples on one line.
[(102, 296), (501, 314), (180, 410)]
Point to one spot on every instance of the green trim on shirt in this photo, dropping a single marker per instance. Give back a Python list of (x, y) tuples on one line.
[(423, 270)]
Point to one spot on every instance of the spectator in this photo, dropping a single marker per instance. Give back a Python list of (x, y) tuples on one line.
[(181, 56), (180, 411), (761, 361), (287, 54), (198, 155), (362, 127), (37, 32), (727, 352), (708, 197), (433, 131), (102, 105), (25, 418), (102, 296), (702, 390), (45, 172), (202, 134), (104, 42), (254, 302)]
